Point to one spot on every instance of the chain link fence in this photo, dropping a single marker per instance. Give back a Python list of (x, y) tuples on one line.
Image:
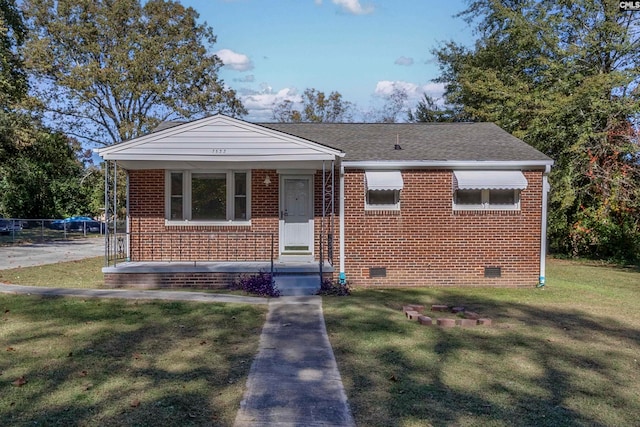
[(27, 230)]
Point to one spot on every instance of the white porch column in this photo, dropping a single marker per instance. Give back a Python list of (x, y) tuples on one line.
[(342, 276)]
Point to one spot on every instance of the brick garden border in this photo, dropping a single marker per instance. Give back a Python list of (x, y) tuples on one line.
[(414, 312)]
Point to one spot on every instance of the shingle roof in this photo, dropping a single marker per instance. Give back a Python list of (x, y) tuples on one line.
[(419, 141), (168, 125)]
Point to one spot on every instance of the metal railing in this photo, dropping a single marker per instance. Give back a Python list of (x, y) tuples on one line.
[(193, 246)]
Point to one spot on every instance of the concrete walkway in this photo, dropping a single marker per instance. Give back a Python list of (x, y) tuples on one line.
[(294, 380)]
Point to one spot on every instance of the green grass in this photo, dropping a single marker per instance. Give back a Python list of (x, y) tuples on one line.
[(86, 273), (113, 363), (568, 355)]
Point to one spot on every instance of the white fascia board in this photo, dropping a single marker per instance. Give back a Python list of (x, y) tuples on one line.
[(219, 165), (447, 164), (254, 158)]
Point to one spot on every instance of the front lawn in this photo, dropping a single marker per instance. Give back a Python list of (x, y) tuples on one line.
[(69, 361), (84, 273), (568, 355)]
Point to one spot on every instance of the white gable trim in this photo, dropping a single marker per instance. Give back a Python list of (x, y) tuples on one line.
[(256, 143)]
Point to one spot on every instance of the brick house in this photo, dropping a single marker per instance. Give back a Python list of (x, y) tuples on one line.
[(420, 204)]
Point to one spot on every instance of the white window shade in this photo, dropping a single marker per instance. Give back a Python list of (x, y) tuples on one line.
[(489, 180), (384, 180)]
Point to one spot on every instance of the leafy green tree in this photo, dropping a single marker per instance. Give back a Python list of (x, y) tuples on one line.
[(316, 108), (111, 70), (39, 170), (563, 76), (43, 178), (13, 82), (428, 110)]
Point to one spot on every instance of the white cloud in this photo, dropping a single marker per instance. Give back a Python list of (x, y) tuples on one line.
[(353, 6), (260, 103), (413, 90), (235, 61), (403, 60)]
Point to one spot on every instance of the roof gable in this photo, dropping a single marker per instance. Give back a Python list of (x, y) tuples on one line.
[(218, 138)]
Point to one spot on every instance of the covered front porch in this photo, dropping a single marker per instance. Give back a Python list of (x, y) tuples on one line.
[(210, 200)]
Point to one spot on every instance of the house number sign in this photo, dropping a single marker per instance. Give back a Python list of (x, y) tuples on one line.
[(219, 151)]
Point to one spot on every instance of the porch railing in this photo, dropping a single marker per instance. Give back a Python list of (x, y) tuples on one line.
[(189, 247)]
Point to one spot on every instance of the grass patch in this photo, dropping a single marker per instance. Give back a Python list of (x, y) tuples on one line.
[(567, 355), (112, 363), (86, 273)]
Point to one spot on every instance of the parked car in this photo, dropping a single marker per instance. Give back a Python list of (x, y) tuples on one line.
[(9, 225), (77, 223)]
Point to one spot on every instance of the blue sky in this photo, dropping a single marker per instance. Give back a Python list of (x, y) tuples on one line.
[(275, 49)]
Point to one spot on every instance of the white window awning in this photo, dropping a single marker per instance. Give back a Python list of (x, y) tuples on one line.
[(384, 180), (489, 180)]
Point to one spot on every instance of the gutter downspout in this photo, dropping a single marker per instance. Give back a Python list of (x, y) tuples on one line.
[(343, 276), (127, 224), (543, 227)]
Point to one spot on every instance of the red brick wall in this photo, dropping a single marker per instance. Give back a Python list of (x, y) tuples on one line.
[(428, 244), (425, 244), (180, 280), (152, 240)]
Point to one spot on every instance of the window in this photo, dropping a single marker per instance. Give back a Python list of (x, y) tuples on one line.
[(383, 190), (176, 196), (208, 196), (205, 196), (487, 189), (486, 200), (383, 199)]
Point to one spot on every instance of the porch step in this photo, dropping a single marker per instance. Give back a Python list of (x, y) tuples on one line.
[(297, 284)]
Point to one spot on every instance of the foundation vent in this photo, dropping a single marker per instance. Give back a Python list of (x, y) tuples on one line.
[(378, 272), (493, 272)]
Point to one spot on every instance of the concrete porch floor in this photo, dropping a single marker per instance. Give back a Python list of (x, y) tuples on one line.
[(290, 277), (279, 267)]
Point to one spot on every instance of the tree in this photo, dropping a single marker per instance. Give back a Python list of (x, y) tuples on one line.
[(111, 70), (394, 104), (13, 82), (43, 178), (563, 76), (428, 110), (316, 108)]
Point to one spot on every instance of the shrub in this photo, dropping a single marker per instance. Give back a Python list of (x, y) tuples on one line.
[(330, 287), (259, 284)]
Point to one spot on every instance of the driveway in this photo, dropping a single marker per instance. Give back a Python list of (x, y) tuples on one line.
[(32, 254)]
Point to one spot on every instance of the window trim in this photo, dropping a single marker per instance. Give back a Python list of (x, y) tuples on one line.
[(484, 204), (384, 207), (187, 198)]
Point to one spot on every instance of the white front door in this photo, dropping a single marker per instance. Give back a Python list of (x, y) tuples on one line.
[(296, 215)]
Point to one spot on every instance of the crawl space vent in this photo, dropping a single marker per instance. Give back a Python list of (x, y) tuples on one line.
[(378, 272), (493, 272)]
